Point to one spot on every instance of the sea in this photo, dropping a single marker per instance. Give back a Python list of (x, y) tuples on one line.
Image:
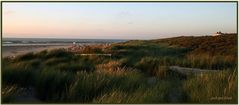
[(55, 41)]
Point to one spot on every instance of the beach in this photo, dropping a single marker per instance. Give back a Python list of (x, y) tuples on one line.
[(15, 50), (17, 46)]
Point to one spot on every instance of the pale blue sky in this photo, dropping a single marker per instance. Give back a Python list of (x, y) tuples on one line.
[(117, 20)]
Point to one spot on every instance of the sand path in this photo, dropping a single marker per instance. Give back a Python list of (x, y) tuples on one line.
[(188, 71)]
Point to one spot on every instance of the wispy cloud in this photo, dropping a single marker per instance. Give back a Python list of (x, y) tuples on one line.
[(124, 14)]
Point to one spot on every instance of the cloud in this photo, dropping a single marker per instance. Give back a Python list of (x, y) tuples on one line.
[(125, 17)]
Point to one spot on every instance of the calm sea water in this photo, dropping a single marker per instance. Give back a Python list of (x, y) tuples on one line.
[(51, 41)]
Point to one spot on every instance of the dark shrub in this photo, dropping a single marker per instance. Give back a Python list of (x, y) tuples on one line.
[(74, 66), (52, 85), (54, 61), (23, 76), (58, 53), (24, 57)]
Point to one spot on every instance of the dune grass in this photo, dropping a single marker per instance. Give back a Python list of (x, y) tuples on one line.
[(138, 72), (218, 87), (8, 93)]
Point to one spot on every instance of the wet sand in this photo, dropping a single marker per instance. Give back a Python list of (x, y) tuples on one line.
[(18, 50)]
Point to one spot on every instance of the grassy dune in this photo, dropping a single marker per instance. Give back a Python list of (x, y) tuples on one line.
[(137, 72)]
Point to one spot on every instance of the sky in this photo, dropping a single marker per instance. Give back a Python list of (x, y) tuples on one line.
[(143, 20)]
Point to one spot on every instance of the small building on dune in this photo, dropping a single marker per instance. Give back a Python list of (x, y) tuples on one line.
[(218, 33)]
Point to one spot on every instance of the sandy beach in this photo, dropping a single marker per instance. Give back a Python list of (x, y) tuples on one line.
[(18, 50)]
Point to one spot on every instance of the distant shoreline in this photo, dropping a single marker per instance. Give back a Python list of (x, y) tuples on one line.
[(45, 44), (16, 46), (56, 41), (11, 50)]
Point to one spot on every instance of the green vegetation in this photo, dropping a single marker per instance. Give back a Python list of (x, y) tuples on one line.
[(137, 72), (217, 85)]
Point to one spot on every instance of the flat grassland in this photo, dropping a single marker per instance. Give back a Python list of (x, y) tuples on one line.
[(138, 71)]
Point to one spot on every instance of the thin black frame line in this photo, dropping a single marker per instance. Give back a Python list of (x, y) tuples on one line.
[(111, 2), (237, 20), (123, 1), (1, 32), (1, 48)]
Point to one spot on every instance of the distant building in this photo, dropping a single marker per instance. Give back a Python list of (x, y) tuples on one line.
[(218, 33)]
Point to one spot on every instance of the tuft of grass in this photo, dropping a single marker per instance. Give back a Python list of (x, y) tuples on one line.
[(110, 66), (148, 65), (9, 93), (218, 87), (86, 86), (52, 85), (91, 85), (208, 61), (156, 94)]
